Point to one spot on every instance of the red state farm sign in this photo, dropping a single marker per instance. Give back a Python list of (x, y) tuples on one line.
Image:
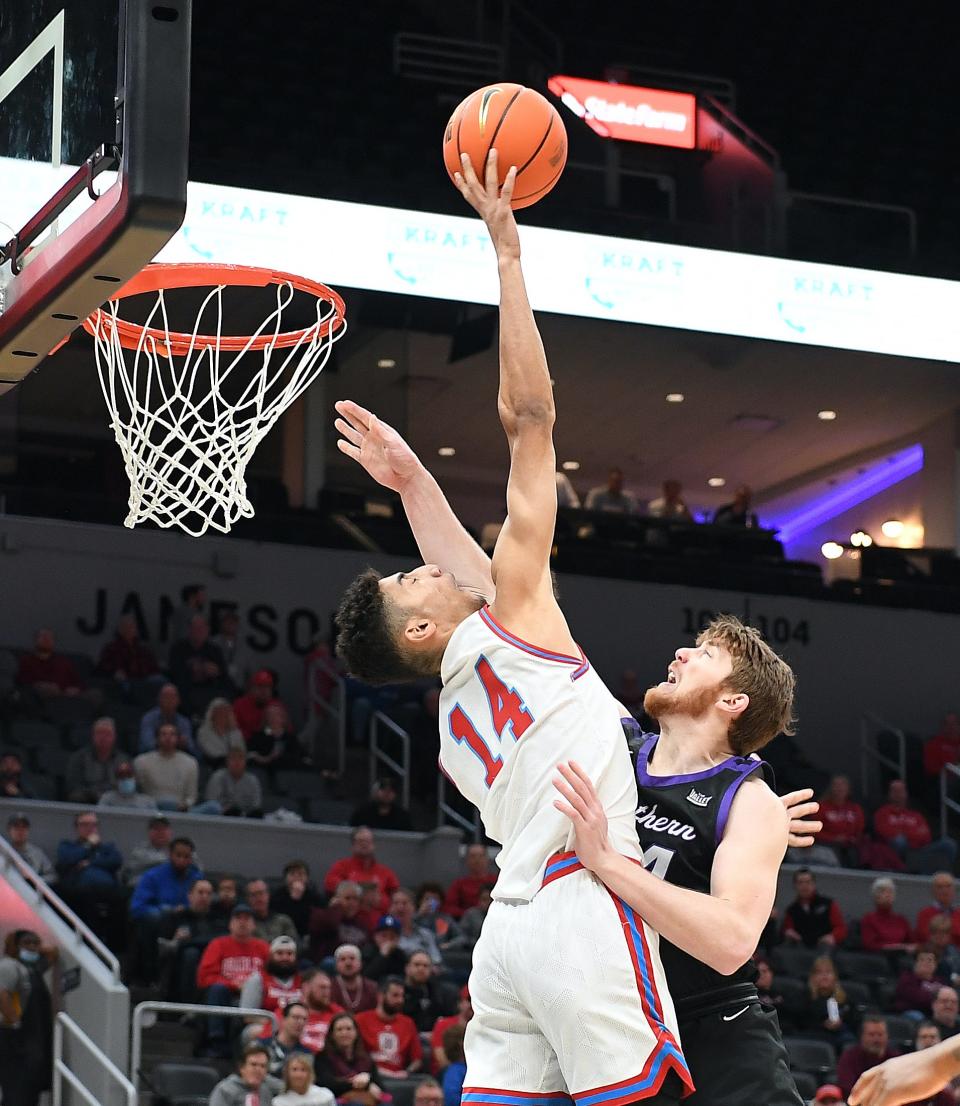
[(629, 112)]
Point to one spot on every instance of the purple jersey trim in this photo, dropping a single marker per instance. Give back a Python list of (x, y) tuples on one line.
[(746, 770), (743, 769)]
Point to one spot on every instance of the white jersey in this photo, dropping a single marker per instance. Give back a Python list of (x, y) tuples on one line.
[(509, 713)]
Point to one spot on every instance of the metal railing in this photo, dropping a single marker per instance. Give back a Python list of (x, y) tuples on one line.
[(137, 1024), (62, 1073), (378, 755), (319, 707), (450, 61), (448, 815), (84, 935), (908, 214), (871, 726), (946, 803)]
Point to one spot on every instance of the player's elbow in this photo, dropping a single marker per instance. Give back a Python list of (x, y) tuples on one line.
[(527, 415), (734, 951)]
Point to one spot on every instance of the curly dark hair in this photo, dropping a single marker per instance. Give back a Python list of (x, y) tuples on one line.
[(368, 637)]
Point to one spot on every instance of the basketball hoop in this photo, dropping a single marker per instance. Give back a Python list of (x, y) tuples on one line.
[(188, 409)]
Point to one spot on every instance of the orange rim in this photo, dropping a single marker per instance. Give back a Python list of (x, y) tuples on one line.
[(164, 275)]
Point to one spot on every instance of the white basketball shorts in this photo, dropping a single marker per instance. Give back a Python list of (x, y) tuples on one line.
[(569, 1001)]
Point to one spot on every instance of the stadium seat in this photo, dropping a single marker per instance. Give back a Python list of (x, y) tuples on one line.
[(806, 1085), (28, 734), (69, 710), (794, 993), (794, 960), (331, 812), (401, 1090), (301, 785), (902, 1032), (183, 1084), (864, 967), (858, 994), (815, 1057)]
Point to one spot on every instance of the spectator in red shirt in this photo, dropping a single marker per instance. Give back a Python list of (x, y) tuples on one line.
[(918, 987), (843, 821), (321, 1009), (362, 867), (249, 708), (464, 892), (351, 989), (390, 1036), (461, 1017), (126, 658), (944, 902), (944, 747), (872, 1049), (224, 967), (46, 673), (882, 930), (904, 829), (812, 919), (342, 922)]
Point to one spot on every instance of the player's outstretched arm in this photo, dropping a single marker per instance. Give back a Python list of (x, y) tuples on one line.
[(383, 452), (721, 929), (914, 1077), (521, 561)]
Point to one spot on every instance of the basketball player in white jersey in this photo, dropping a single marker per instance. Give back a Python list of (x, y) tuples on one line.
[(567, 987)]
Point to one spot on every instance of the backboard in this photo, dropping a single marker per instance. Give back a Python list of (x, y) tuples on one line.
[(94, 125)]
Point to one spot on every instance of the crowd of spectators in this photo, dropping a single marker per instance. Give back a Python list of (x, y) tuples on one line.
[(615, 498), (867, 987)]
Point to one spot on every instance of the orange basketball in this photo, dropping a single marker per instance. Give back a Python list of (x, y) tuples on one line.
[(524, 128)]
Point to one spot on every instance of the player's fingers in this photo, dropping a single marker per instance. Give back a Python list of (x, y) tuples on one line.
[(799, 842), (349, 432), (804, 810), (469, 173), (569, 792), (575, 781), (358, 415), (584, 779), (799, 796), (506, 193), (568, 810), (350, 450), (491, 178), (806, 825)]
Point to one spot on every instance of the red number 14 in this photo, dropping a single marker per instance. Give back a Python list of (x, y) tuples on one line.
[(506, 709)]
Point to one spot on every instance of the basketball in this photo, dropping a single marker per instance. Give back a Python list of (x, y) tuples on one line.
[(524, 128)]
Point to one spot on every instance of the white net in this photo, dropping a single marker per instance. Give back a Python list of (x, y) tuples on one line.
[(188, 423)]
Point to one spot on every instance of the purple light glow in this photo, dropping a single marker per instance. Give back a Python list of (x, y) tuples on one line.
[(825, 507)]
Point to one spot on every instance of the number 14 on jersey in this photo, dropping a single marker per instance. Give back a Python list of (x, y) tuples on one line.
[(507, 712)]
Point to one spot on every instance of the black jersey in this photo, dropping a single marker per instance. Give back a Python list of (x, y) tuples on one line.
[(680, 823)]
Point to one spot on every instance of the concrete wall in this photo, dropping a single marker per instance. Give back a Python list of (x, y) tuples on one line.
[(253, 848)]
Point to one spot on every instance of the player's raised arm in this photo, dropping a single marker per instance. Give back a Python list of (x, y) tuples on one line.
[(441, 538), (521, 561)]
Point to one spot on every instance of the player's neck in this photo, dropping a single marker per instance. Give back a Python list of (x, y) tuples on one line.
[(688, 745)]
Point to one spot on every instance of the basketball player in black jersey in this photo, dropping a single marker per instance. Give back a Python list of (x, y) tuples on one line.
[(715, 833)]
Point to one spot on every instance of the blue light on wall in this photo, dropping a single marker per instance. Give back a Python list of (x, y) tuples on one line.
[(861, 488)]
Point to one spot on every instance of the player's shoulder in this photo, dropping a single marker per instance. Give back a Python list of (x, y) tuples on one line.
[(756, 803)]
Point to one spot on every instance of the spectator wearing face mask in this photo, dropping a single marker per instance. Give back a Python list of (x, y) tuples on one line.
[(26, 1019), (124, 793)]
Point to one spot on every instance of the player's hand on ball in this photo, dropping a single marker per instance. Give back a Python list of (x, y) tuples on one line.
[(491, 202), (375, 445), (803, 827), (585, 811)]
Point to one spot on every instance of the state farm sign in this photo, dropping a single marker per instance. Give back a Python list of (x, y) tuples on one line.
[(629, 112)]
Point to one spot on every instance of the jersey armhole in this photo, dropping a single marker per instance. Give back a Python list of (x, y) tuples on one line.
[(747, 771)]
